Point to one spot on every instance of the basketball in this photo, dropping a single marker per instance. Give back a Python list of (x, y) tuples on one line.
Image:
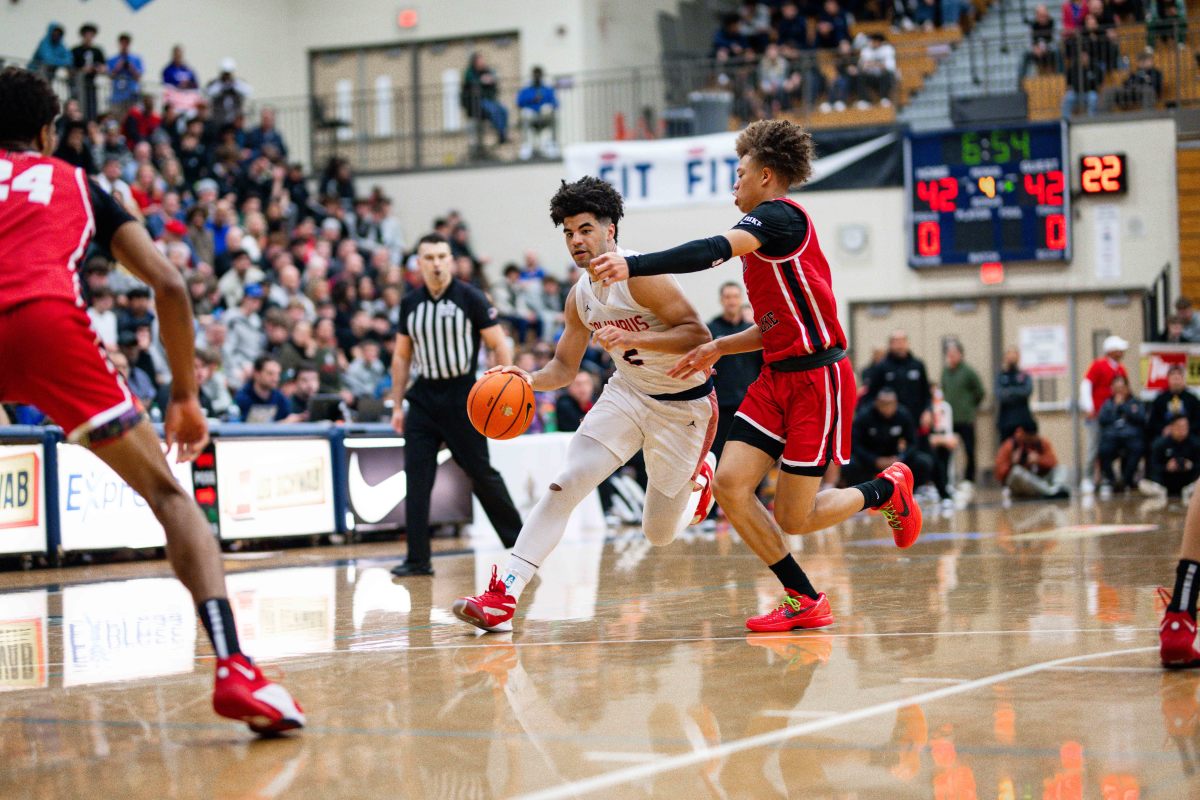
[(500, 405)]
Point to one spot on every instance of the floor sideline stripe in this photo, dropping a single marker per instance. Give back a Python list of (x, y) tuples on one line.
[(629, 774)]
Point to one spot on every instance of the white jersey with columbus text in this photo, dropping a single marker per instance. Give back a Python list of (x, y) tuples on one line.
[(644, 370)]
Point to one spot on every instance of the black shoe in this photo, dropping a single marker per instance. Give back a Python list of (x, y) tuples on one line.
[(411, 568)]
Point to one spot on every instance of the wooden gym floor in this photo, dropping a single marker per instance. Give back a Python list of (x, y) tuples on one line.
[(1010, 654)]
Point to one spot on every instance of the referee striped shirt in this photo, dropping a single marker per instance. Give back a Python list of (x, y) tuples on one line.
[(445, 330)]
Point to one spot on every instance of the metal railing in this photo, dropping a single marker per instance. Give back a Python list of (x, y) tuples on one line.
[(405, 129)]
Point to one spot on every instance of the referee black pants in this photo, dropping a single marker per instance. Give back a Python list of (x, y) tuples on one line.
[(437, 413)]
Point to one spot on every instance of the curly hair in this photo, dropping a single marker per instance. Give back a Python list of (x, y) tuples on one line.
[(781, 146), (587, 195), (27, 104)]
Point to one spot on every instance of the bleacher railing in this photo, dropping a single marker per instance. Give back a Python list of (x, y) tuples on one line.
[(430, 127)]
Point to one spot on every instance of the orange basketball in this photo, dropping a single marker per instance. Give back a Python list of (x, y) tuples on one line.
[(500, 405)]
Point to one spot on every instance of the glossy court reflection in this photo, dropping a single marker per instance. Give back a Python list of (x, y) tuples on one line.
[(1004, 656)]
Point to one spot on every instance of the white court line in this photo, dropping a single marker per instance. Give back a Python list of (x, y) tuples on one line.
[(621, 776), (1107, 669)]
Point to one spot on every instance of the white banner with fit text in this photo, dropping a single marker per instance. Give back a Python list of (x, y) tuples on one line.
[(665, 172), (274, 487)]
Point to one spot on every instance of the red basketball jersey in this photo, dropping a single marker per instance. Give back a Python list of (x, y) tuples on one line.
[(788, 282), (46, 223)]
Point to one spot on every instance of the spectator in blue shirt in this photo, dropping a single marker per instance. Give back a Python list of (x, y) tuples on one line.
[(178, 73), (266, 135), (126, 70), (259, 399), (51, 53), (539, 118)]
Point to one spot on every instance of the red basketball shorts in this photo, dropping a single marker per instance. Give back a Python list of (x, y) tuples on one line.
[(50, 358), (802, 418)]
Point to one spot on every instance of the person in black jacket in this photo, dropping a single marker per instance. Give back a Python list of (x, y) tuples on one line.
[(734, 373), (1122, 433), (1013, 389), (883, 434), (905, 374), (1174, 461), (1176, 400)]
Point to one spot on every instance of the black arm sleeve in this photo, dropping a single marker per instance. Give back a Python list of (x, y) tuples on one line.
[(108, 213), (694, 256)]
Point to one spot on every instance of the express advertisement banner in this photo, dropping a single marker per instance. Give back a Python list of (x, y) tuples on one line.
[(274, 487), (702, 169), (376, 485), (22, 499), (99, 511)]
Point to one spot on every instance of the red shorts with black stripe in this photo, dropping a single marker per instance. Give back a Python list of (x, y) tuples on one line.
[(50, 358), (802, 418)]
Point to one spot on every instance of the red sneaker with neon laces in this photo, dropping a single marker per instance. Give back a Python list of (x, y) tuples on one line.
[(242, 693), (704, 483), (491, 611), (902, 513), (796, 611)]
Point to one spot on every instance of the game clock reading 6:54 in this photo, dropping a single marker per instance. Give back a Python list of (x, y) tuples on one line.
[(992, 194)]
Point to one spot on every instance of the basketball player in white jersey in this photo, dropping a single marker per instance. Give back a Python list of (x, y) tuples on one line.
[(645, 324)]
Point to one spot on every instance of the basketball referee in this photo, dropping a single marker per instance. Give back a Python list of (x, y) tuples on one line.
[(441, 325)]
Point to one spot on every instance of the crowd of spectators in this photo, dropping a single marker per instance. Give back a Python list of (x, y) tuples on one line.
[(1085, 48), (768, 52)]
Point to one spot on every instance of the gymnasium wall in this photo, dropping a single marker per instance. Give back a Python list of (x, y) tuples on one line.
[(271, 39), (506, 207)]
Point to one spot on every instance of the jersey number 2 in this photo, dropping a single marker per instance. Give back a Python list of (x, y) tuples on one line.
[(37, 182), (631, 357)]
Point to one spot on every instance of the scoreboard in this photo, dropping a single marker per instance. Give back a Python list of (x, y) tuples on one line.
[(988, 195)]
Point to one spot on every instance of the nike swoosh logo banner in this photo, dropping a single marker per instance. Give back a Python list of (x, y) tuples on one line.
[(373, 503)]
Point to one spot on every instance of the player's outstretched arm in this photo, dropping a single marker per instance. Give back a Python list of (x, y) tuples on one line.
[(185, 426), (567, 355), (662, 295), (696, 255), (702, 358)]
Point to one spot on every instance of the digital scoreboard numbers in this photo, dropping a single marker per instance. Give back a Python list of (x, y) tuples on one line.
[(988, 195)]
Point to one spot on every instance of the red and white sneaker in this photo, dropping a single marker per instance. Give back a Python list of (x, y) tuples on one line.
[(242, 693), (796, 611), (902, 513), (704, 485), (491, 611), (1177, 640)]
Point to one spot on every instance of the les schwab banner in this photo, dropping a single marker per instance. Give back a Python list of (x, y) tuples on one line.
[(702, 169), (276, 487), (22, 499)]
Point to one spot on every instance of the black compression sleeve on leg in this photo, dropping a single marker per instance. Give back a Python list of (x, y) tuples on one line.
[(694, 256)]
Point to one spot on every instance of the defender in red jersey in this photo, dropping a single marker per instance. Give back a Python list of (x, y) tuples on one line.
[(50, 212), (799, 411)]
